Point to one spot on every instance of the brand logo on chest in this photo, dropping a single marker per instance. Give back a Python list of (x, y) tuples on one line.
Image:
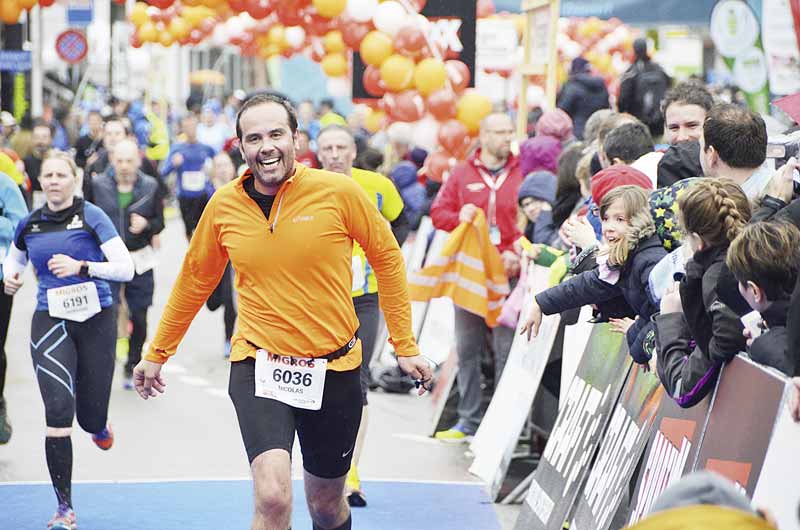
[(75, 223), (302, 218), (476, 186)]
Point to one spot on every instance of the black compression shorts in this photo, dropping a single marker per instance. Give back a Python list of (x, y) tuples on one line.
[(327, 436)]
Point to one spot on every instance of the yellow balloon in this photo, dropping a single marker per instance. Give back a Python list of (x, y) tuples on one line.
[(374, 120), (277, 35), (429, 76), (178, 27), (139, 14), (397, 72), (10, 11), (334, 65), (376, 48), (471, 109), (166, 39), (330, 8), (148, 32), (333, 42)]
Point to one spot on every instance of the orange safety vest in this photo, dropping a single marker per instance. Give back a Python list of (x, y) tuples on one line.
[(469, 271)]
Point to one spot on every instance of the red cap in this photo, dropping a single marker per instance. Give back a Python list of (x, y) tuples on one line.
[(616, 176)]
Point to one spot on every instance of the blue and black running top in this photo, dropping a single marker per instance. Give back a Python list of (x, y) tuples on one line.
[(195, 156), (77, 232)]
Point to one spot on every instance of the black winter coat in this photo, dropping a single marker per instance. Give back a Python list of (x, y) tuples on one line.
[(633, 284), (580, 96), (693, 345), (772, 347), (147, 202)]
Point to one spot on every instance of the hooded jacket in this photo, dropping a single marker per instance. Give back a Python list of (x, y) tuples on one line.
[(539, 153), (581, 95), (588, 288), (690, 372), (465, 186)]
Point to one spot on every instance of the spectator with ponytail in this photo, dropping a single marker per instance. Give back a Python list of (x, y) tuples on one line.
[(695, 332)]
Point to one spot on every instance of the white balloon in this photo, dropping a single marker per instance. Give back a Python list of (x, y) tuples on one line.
[(295, 36), (220, 36), (361, 10), (338, 87), (426, 133), (389, 17)]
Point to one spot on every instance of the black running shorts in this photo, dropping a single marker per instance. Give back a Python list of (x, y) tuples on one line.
[(327, 436)]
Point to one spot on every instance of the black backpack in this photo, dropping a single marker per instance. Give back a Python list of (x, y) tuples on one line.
[(651, 85)]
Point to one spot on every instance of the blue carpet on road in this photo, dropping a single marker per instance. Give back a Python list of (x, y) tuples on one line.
[(227, 505)]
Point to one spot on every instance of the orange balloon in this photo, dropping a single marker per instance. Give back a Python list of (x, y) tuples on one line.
[(148, 32), (397, 72), (139, 14), (429, 76), (26, 4), (179, 28), (471, 109), (376, 48), (330, 8), (333, 42), (375, 120), (166, 39), (334, 65), (10, 11)]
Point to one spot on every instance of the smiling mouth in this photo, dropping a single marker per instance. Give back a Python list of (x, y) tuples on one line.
[(269, 163)]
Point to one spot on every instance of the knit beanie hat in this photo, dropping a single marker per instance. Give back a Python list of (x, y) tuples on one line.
[(616, 176), (539, 152), (680, 161), (555, 123), (539, 185)]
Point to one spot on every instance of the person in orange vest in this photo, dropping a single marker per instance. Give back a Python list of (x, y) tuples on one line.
[(488, 180)]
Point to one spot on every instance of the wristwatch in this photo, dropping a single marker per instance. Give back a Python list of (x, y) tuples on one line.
[(84, 272)]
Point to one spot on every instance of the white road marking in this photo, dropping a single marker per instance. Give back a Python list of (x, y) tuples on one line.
[(173, 368), (193, 380)]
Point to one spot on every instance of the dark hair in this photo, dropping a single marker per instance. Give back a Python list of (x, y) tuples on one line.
[(628, 142), (739, 135), (327, 102), (688, 93), (370, 159), (304, 133), (263, 99), (39, 122), (568, 188), (767, 254)]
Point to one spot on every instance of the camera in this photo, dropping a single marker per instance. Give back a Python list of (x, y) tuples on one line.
[(782, 147)]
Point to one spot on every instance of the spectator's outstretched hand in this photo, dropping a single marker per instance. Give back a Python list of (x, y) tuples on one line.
[(782, 183), (671, 303)]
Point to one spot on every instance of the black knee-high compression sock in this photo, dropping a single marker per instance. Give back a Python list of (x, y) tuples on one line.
[(59, 461), (347, 525)]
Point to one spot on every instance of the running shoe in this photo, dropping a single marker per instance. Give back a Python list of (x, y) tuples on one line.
[(64, 519), (352, 484), (127, 383), (227, 349), (457, 434), (104, 439), (5, 427)]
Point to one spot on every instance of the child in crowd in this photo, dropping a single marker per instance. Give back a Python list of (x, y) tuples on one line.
[(536, 197), (629, 252), (695, 332), (765, 259)]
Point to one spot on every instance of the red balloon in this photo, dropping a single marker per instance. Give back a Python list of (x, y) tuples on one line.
[(409, 41), (134, 40), (119, 2), (289, 14), (453, 137), (458, 73), (161, 4), (46, 3), (317, 25), (372, 82), (405, 106), (195, 36), (485, 8), (442, 104), (437, 166), (259, 9), (354, 32), (238, 6)]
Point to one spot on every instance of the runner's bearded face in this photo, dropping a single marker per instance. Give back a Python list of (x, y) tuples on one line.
[(268, 145)]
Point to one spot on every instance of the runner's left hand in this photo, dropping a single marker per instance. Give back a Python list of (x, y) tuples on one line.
[(63, 266), (418, 368), (138, 224)]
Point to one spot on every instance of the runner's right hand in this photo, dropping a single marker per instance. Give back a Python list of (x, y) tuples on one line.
[(147, 379), (12, 284), (467, 213), (177, 160)]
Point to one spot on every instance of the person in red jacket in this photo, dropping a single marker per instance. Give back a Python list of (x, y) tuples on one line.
[(488, 180)]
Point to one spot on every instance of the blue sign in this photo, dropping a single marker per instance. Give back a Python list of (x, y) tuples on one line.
[(15, 61), (79, 17)]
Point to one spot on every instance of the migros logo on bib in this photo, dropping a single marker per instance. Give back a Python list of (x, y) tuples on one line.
[(290, 361)]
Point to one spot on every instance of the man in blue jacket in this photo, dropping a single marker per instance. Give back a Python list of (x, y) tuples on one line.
[(189, 161), (12, 211)]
